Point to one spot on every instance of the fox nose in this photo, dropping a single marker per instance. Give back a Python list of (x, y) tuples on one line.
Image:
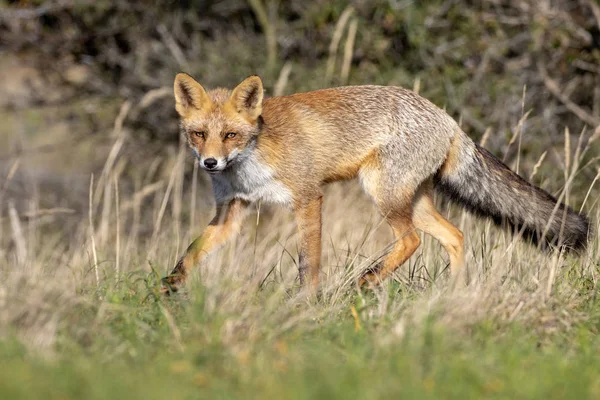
[(210, 163)]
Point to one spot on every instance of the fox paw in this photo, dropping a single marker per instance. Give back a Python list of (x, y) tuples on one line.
[(370, 277), (170, 284)]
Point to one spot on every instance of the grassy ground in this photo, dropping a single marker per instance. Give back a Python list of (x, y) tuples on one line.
[(134, 353), (526, 325)]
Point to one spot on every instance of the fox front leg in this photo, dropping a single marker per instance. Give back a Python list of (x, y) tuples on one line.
[(225, 225), (308, 218)]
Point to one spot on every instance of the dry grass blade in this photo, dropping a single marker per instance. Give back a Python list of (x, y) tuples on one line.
[(485, 137), (173, 326), (177, 203), (120, 120), (520, 128), (537, 165), (348, 51), (417, 85), (335, 42), (517, 131), (567, 152), (193, 196), (552, 275), (17, 232), (118, 231), (91, 230), (119, 133), (11, 174), (163, 206), (282, 81), (589, 190), (105, 215)]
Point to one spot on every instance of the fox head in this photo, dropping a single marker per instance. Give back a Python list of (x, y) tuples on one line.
[(219, 124)]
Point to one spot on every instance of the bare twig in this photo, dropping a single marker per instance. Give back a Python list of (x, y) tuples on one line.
[(30, 13), (172, 45), (46, 211), (586, 66), (269, 29), (553, 87), (150, 97), (596, 10), (141, 195)]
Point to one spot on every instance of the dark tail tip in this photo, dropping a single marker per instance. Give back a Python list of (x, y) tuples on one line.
[(570, 233), (576, 232)]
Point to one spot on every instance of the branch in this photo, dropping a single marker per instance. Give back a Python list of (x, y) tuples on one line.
[(553, 87)]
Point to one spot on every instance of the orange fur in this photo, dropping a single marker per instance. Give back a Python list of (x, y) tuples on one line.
[(308, 217), (427, 219), (224, 225)]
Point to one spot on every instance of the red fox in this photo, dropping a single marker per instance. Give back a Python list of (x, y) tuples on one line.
[(400, 146)]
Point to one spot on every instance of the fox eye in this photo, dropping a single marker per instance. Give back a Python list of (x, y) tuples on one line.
[(230, 135), (200, 134)]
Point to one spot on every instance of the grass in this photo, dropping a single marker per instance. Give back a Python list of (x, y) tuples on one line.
[(526, 325), (218, 343), (80, 314)]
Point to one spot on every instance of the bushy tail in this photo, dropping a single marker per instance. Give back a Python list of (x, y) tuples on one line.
[(483, 184)]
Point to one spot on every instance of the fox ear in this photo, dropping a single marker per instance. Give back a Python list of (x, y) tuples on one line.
[(189, 94), (247, 97)]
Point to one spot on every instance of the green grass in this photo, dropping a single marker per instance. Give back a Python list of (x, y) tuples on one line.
[(132, 344)]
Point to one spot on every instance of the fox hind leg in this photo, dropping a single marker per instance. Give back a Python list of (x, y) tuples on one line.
[(394, 202), (426, 218), (407, 241)]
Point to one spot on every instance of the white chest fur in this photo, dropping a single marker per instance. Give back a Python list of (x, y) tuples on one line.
[(250, 180)]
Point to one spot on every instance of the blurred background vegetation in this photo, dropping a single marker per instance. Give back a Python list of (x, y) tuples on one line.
[(75, 76)]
